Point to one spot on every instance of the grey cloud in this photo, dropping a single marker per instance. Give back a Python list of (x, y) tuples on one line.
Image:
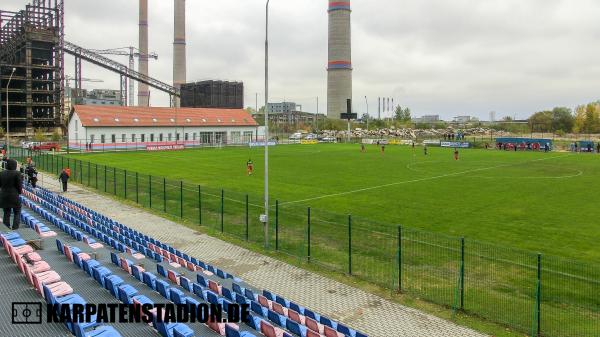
[(436, 56)]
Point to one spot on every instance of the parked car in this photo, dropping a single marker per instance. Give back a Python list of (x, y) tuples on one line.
[(296, 136), (310, 136), (47, 146), (328, 139)]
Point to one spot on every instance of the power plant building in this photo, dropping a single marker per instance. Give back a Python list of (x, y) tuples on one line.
[(339, 68), (213, 94)]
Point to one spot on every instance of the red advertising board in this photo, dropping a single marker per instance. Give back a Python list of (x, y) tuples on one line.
[(165, 147)]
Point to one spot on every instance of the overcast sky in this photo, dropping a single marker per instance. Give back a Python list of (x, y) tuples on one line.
[(459, 57)]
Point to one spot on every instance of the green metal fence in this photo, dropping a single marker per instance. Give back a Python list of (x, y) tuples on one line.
[(539, 295)]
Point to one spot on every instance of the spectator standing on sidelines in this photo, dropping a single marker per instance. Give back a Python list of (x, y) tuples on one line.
[(425, 149), (64, 178), (11, 186), (598, 147), (362, 148), (382, 149)]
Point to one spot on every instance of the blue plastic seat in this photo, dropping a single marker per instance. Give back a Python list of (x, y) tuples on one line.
[(198, 290), (100, 273), (296, 328), (201, 280), (112, 284), (227, 293), (126, 292), (185, 283), (163, 288), (114, 258), (149, 279), (161, 270), (232, 332), (89, 265), (276, 318), (176, 296)]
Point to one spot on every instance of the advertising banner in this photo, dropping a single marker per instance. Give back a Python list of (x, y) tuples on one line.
[(464, 145), (165, 147)]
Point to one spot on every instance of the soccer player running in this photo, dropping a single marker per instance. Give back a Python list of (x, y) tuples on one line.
[(425, 149), (249, 167), (382, 149), (455, 154)]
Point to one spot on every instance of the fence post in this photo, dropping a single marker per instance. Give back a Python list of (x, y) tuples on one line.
[(538, 296), (137, 190), (115, 180), (222, 209), (399, 259), (96, 175), (199, 205), (308, 233), (462, 273), (105, 180), (165, 194), (246, 217), (125, 183), (89, 169), (62, 162), (276, 224), (80, 171), (150, 189), (181, 199), (349, 244)]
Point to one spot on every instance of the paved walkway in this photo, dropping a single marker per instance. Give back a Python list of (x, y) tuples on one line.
[(363, 311)]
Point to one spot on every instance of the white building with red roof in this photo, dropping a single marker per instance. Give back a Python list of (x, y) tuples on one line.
[(118, 127)]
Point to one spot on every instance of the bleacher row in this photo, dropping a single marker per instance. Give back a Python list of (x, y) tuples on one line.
[(135, 255)]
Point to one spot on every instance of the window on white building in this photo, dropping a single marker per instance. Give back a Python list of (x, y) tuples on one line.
[(236, 136), (143, 137), (160, 137), (177, 136), (169, 137), (247, 136), (113, 138), (123, 138), (91, 138), (102, 139), (194, 135), (133, 138)]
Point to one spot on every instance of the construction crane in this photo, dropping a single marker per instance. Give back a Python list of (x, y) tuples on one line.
[(132, 52)]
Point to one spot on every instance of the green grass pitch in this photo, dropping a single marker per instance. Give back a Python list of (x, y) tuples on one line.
[(544, 202)]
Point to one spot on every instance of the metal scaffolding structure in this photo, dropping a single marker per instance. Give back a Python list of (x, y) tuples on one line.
[(122, 70), (31, 43)]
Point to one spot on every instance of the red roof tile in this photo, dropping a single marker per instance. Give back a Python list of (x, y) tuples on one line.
[(94, 115)]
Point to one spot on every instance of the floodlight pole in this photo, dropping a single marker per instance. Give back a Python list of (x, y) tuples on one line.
[(266, 223), (7, 116)]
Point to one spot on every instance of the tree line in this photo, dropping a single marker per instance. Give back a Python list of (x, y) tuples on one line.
[(560, 120)]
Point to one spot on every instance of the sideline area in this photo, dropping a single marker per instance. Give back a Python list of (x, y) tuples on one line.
[(356, 308)]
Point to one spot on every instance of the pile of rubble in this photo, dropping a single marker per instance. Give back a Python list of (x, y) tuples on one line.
[(409, 133)]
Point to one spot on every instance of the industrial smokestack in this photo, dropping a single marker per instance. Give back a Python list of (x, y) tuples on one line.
[(339, 69), (143, 92), (179, 50)]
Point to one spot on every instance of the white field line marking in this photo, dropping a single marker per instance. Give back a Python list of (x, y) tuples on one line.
[(415, 181)]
